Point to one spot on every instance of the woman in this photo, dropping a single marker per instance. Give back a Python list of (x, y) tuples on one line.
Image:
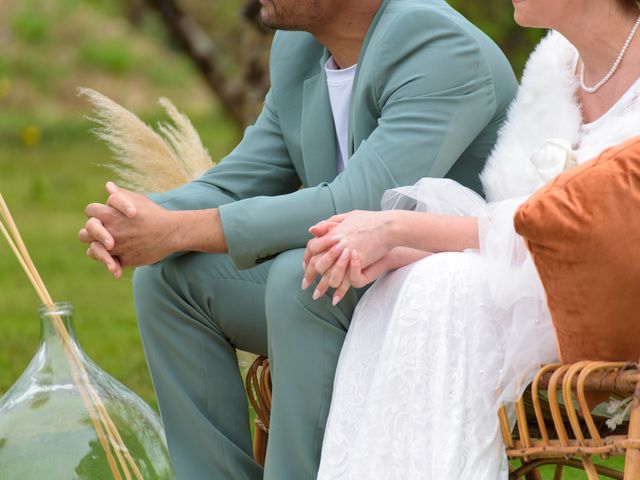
[(435, 347)]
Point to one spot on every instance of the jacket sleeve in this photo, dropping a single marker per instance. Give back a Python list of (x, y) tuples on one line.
[(435, 94), (259, 165)]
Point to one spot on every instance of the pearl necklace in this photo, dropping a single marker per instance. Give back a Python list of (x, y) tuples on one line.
[(606, 78)]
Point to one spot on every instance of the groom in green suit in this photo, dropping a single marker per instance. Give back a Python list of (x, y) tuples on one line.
[(366, 95)]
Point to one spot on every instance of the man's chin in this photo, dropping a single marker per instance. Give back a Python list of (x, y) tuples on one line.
[(267, 16)]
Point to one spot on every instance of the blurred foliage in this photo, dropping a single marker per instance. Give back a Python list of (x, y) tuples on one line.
[(30, 26), (495, 18), (49, 48), (113, 56)]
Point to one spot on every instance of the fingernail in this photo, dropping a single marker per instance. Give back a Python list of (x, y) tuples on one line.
[(316, 294), (110, 267), (304, 265), (131, 211), (345, 254), (336, 299), (305, 284), (336, 238)]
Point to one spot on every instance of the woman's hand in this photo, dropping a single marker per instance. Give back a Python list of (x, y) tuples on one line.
[(369, 233), (347, 272)]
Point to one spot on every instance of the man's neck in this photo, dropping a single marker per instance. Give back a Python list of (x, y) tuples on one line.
[(344, 33)]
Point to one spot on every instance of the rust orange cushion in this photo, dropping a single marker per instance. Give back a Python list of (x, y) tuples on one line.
[(583, 232)]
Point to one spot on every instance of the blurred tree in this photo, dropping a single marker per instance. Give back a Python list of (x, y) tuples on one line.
[(229, 46), (495, 18)]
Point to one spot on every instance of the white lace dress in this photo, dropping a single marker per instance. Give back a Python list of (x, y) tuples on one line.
[(435, 347)]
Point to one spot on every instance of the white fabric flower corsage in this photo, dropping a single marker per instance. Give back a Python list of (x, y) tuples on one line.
[(554, 157)]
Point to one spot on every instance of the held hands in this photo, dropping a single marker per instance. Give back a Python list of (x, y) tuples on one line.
[(349, 250), (129, 230)]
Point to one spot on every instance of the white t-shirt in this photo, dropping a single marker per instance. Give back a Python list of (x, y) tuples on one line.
[(340, 83)]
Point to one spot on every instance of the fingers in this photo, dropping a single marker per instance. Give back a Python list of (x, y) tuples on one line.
[(319, 245), (322, 228), (356, 277), (341, 291), (84, 236), (111, 188), (320, 264), (337, 278), (98, 252), (97, 231), (98, 210), (307, 256), (310, 273), (122, 204), (334, 278), (338, 271), (338, 218), (321, 288), (329, 258)]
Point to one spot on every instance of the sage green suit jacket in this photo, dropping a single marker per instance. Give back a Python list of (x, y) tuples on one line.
[(430, 93)]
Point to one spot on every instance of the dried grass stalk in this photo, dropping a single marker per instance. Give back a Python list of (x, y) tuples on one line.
[(148, 161)]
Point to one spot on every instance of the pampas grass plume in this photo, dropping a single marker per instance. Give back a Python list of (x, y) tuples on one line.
[(146, 160)]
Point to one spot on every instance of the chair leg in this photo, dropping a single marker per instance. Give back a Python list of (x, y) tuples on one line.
[(535, 475), (589, 468), (558, 473), (632, 460), (260, 445)]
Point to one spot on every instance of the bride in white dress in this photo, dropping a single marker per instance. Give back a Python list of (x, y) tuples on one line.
[(437, 345)]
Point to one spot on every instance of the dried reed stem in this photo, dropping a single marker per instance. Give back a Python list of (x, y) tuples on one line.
[(99, 416)]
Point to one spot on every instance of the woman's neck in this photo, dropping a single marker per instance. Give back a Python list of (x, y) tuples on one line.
[(598, 32)]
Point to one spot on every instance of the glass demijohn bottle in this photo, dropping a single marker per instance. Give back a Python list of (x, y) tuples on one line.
[(67, 419)]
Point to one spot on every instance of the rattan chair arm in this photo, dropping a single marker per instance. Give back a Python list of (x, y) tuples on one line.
[(623, 380)]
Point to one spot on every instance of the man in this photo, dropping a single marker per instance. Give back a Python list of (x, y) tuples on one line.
[(366, 95)]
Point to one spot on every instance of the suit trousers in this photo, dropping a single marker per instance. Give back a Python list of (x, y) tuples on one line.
[(193, 311)]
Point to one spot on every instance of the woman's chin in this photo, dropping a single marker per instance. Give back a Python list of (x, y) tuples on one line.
[(524, 20)]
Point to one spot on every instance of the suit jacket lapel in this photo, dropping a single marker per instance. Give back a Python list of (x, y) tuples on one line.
[(317, 130), (363, 51), (318, 137)]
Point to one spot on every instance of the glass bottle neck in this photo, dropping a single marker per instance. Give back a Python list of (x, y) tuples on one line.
[(50, 320)]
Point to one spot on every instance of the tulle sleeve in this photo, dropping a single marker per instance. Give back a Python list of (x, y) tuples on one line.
[(525, 333)]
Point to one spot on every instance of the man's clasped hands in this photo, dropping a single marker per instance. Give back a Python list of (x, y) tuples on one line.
[(348, 250)]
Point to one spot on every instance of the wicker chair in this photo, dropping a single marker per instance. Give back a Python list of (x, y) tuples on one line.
[(548, 430)]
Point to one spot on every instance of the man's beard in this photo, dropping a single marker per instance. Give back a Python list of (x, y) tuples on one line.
[(282, 19)]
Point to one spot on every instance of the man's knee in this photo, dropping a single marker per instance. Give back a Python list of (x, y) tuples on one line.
[(146, 281), (288, 307), (168, 280), (284, 280)]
